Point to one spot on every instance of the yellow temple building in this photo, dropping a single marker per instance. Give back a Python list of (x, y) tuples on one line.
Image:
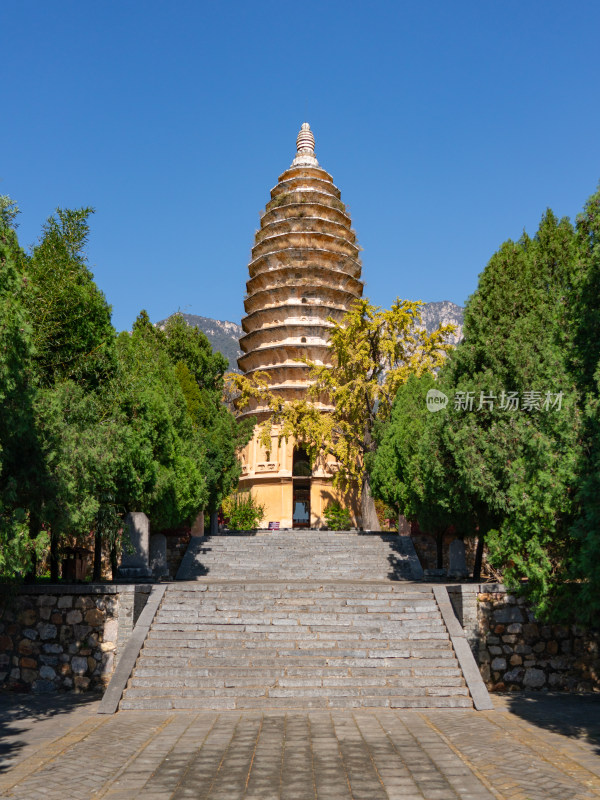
[(305, 268)]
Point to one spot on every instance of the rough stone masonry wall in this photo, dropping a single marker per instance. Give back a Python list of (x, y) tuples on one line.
[(64, 637), (516, 651)]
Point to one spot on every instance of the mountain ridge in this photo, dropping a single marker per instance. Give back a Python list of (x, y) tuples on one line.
[(224, 335)]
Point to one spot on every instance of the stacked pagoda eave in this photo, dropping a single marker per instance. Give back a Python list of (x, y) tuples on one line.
[(304, 271)]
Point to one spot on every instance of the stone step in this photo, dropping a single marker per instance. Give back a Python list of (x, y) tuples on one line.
[(281, 649), (443, 659), (300, 691), (255, 589), (301, 660), (272, 634), (278, 633), (175, 636), (249, 601), (167, 686), (356, 619), (220, 672), (286, 584), (369, 627), (293, 702), (225, 640), (390, 611), (200, 647)]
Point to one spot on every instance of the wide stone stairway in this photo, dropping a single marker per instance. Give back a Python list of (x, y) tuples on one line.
[(297, 619)]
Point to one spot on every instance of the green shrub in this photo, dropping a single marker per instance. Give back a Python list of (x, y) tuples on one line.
[(242, 512), (338, 518)]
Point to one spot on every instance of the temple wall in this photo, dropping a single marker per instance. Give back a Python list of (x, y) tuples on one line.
[(267, 473)]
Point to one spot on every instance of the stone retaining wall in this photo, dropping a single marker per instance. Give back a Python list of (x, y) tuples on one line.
[(515, 651), (55, 638)]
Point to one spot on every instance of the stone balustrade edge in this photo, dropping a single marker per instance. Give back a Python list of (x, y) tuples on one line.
[(477, 688), (112, 696)]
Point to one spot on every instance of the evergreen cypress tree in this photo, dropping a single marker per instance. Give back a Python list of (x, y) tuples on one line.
[(586, 365), (19, 456), (518, 467)]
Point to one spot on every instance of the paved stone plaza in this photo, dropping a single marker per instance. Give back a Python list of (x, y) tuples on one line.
[(535, 747)]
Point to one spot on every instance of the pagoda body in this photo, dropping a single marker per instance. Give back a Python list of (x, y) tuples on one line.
[(305, 268)]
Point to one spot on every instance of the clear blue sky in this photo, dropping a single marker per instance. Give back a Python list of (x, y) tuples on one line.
[(449, 127)]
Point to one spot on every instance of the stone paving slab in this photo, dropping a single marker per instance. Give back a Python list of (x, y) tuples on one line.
[(531, 747)]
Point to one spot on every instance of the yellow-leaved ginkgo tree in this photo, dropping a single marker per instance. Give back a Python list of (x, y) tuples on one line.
[(373, 352)]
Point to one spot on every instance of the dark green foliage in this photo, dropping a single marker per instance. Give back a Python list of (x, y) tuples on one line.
[(188, 344), (518, 468), (94, 425), (18, 445), (73, 346), (200, 375), (69, 315), (337, 517), (222, 467), (223, 336), (397, 444), (586, 365), (167, 451), (242, 512), (510, 477), (413, 469)]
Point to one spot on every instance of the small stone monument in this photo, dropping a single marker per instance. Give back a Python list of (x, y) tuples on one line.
[(198, 526), (458, 561), (158, 555), (404, 527), (136, 564)]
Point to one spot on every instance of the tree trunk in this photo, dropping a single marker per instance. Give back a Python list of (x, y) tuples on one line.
[(478, 557), (54, 560), (114, 562), (370, 522), (214, 523), (97, 574), (34, 529), (439, 546)]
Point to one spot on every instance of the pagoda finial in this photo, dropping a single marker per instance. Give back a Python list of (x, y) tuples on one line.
[(305, 146)]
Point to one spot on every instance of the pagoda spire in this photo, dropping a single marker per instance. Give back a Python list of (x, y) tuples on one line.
[(305, 148)]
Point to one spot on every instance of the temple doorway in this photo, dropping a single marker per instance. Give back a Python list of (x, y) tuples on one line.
[(301, 505), (301, 472)]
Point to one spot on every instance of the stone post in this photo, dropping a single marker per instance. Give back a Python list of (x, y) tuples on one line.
[(158, 555), (198, 526), (458, 562), (136, 563), (403, 525)]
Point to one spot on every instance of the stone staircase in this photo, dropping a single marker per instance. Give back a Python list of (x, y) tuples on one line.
[(299, 555), (297, 620)]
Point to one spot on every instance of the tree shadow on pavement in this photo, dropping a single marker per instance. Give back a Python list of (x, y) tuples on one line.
[(568, 714), (21, 715)]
